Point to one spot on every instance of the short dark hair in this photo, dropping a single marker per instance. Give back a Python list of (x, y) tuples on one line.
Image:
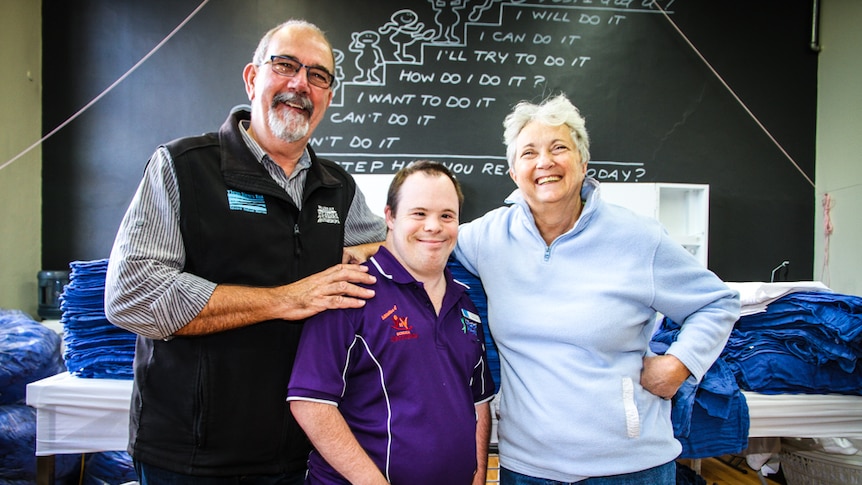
[(428, 167)]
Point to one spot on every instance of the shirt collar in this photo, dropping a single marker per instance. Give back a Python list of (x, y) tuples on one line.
[(389, 267), (303, 163), (590, 195)]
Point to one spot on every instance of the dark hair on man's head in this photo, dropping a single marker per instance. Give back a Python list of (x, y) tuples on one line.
[(428, 167)]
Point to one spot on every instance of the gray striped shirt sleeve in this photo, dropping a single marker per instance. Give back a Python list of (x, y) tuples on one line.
[(146, 291), (362, 225)]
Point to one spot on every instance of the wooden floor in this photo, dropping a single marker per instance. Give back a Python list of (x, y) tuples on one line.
[(713, 470), (718, 472)]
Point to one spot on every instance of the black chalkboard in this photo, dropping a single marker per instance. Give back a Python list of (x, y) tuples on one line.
[(434, 79)]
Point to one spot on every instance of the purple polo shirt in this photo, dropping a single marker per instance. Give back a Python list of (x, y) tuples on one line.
[(405, 380)]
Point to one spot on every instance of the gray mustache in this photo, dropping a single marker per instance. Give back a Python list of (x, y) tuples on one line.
[(294, 98)]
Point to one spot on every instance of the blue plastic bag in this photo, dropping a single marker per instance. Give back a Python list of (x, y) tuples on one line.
[(29, 351), (18, 448)]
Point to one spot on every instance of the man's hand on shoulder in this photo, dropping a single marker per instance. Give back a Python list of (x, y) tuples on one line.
[(359, 254), (332, 288), (235, 306)]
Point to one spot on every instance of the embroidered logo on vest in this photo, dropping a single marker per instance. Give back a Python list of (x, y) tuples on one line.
[(241, 201), (327, 215)]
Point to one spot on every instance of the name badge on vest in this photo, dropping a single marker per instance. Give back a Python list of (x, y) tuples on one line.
[(241, 201)]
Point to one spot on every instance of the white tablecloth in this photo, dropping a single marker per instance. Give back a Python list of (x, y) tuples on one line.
[(75, 415), (804, 415)]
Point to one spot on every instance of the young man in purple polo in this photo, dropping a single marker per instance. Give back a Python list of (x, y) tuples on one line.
[(398, 391)]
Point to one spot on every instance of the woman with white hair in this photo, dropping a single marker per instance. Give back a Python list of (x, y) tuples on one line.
[(574, 286)]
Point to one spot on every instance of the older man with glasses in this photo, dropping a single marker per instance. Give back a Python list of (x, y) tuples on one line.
[(233, 239)]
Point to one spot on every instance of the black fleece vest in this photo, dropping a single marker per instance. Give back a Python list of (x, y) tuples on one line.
[(215, 405)]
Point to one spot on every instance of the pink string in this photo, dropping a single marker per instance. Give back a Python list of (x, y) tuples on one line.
[(827, 232)]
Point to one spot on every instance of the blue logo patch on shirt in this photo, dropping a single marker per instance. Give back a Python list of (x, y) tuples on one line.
[(241, 201), (469, 322)]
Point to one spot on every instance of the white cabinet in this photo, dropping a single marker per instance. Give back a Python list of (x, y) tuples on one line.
[(682, 208)]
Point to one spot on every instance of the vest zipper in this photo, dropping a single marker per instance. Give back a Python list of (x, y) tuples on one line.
[(297, 242)]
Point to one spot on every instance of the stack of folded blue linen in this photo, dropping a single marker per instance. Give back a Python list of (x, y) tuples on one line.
[(94, 348), (804, 343)]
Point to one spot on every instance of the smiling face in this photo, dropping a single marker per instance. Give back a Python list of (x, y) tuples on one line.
[(547, 165), (288, 109), (423, 232)]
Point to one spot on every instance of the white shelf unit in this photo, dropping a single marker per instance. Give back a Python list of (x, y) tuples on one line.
[(683, 209)]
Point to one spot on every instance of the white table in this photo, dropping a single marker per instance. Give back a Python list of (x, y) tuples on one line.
[(804, 415), (75, 415)]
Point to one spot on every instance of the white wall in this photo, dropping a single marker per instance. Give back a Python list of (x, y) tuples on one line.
[(839, 147), (20, 127)]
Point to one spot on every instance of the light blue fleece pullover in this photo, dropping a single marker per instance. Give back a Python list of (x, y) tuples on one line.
[(572, 322)]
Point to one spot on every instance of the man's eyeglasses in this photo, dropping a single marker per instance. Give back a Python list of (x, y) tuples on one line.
[(289, 67)]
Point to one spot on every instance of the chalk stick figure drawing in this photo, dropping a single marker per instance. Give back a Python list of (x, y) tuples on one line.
[(478, 10), (369, 57), (339, 68), (405, 29), (448, 19)]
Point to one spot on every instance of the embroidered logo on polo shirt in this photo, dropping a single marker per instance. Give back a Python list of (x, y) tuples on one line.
[(403, 330), (242, 201), (327, 215), (470, 322)]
